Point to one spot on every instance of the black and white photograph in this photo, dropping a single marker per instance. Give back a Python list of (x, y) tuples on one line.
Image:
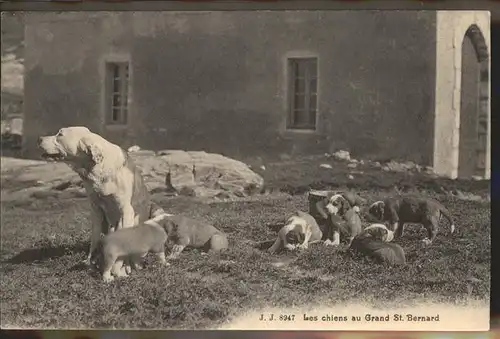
[(246, 169)]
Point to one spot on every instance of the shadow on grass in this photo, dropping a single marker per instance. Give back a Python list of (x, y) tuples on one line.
[(46, 253)]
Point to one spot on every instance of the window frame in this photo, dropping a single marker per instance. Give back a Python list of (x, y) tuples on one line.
[(123, 92), (293, 63)]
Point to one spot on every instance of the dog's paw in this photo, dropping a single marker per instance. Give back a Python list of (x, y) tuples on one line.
[(165, 264), (426, 241), (122, 272), (107, 278), (290, 247), (328, 242), (128, 269), (302, 247)]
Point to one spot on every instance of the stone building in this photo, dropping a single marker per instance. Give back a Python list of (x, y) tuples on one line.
[(402, 85)]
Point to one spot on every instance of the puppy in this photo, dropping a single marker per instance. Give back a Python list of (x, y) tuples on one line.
[(334, 203), (134, 243), (301, 227), (115, 187), (186, 232), (374, 242), (411, 209), (323, 207), (349, 226)]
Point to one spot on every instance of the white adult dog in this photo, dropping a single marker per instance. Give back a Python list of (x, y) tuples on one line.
[(115, 187)]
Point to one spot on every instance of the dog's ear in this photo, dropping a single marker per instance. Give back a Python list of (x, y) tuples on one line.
[(381, 210), (92, 149), (344, 206)]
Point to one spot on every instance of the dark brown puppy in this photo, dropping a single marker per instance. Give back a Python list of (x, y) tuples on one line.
[(374, 242), (411, 209)]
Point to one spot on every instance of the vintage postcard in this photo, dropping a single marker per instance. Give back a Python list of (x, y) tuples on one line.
[(246, 169)]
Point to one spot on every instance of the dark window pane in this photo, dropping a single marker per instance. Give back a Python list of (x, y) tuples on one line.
[(300, 86), (312, 68), (115, 114), (300, 69), (115, 71), (299, 102), (313, 100), (313, 86), (116, 85), (116, 100), (300, 118)]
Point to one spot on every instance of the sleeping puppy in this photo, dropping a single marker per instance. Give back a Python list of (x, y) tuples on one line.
[(349, 226), (186, 232), (132, 242), (302, 228), (411, 209), (114, 185), (374, 242)]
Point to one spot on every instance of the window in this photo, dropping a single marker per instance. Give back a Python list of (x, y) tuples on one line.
[(303, 93), (117, 79)]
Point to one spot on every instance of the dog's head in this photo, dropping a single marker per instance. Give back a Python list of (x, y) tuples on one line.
[(161, 219), (295, 226), (378, 232), (377, 210), (78, 146), (337, 205)]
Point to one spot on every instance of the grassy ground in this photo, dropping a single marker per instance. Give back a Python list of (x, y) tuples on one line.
[(44, 240)]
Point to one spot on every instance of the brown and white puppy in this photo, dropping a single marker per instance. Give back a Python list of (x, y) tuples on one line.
[(187, 232), (337, 204), (301, 227), (412, 209), (349, 226), (115, 186), (132, 243), (374, 242)]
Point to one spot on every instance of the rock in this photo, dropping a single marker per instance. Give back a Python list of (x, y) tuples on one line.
[(361, 162), (377, 164), (199, 173), (284, 157), (350, 177), (428, 170), (263, 167), (133, 149), (326, 166), (352, 165), (342, 155)]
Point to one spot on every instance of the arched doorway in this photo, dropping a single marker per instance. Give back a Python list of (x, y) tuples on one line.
[(474, 103)]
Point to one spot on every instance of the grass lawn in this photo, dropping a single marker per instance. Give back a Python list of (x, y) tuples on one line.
[(44, 241)]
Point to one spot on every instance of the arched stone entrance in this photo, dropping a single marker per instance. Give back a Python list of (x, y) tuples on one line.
[(474, 104)]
